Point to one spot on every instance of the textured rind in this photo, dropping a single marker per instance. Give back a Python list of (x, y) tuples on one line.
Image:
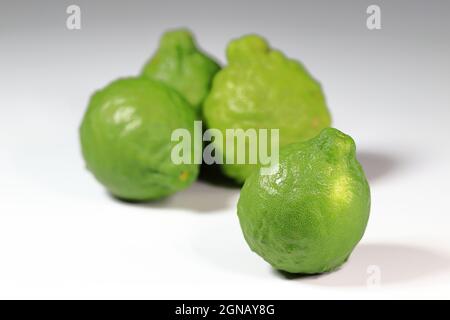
[(182, 66), (261, 88), (308, 217), (126, 139)]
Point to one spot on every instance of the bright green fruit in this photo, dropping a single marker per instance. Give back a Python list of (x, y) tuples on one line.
[(182, 66), (126, 139), (309, 215), (261, 88)]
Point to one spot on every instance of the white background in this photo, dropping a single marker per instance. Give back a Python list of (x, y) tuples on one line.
[(62, 236)]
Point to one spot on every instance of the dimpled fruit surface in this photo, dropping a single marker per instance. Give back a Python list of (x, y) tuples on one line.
[(181, 65), (126, 139), (262, 88), (309, 215)]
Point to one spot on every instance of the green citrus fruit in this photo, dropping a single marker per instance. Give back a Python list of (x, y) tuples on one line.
[(126, 139), (181, 65), (309, 215), (262, 88)]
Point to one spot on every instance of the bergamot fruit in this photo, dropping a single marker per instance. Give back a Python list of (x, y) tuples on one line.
[(126, 139), (181, 65), (309, 215), (262, 88)]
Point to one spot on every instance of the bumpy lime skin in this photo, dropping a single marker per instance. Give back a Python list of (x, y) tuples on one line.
[(308, 217), (261, 88), (126, 139), (181, 65)]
